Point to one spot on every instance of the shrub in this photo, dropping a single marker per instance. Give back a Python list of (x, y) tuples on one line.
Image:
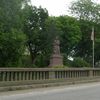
[(79, 62)]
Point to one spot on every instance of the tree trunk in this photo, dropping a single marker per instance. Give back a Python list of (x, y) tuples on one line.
[(31, 54)]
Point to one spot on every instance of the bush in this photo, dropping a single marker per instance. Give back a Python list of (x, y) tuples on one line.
[(11, 48), (79, 62), (26, 62)]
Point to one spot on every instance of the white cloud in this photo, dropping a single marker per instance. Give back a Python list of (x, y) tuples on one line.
[(55, 7)]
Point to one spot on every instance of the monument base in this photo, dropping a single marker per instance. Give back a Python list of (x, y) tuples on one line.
[(56, 60)]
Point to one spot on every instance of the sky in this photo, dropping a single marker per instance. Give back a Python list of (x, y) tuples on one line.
[(55, 7)]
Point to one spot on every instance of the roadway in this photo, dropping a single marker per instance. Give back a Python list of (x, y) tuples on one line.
[(90, 91)]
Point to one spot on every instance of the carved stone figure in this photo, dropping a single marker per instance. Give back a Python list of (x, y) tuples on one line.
[(56, 58), (56, 48)]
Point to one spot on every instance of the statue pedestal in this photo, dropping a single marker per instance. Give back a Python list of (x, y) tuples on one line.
[(56, 60)]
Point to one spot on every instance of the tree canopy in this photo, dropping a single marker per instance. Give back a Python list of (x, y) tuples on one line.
[(11, 36), (27, 34), (88, 14), (86, 9)]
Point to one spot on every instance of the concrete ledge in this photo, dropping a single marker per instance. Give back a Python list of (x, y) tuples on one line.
[(45, 83)]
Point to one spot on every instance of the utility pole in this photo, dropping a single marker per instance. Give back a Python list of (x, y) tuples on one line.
[(92, 38)]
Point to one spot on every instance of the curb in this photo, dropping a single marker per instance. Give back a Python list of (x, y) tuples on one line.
[(34, 86)]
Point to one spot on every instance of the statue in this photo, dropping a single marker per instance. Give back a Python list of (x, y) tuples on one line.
[(56, 49), (56, 58)]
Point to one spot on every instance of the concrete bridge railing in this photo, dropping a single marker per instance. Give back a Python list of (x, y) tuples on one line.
[(24, 76)]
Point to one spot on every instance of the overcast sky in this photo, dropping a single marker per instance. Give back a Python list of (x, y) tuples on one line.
[(55, 7)]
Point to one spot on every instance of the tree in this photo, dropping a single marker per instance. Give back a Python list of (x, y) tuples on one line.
[(86, 10), (97, 43), (10, 15), (36, 30), (11, 48), (71, 34), (11, 36), (67, 28), (79, 63), (88, 15)]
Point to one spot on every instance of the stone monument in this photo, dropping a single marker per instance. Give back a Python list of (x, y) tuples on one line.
[(56, 58)]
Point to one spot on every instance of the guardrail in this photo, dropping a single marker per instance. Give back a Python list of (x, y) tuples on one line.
[(18, 76)]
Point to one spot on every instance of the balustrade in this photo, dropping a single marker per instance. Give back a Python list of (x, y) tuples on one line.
[(43, 74)]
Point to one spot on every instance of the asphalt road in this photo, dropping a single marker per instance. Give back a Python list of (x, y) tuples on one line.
[(73, 92)]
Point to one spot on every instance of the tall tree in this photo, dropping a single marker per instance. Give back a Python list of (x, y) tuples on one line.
[(10, 14), (11, 35), (88, 14), (36, 31), (71, 34), (86, 10)]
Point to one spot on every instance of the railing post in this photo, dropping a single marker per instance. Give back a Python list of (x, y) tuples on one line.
[(7, 76), (90, 73), (2, 76), (51, 74), (30, 75)]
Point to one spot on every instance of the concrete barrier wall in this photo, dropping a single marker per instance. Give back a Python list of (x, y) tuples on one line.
[(24, 76)]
